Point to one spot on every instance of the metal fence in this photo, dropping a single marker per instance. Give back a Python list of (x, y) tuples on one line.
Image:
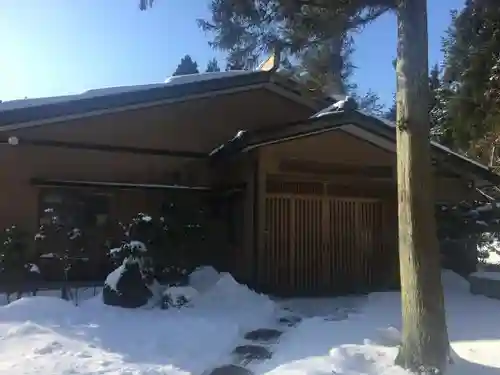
[(74, 291)]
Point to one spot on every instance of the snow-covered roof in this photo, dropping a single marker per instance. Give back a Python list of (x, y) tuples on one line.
[(190, 78), (23, 113), (438, 145), (93, 93), (343, 115)]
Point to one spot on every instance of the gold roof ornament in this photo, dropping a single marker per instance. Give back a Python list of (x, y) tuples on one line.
[(272, 63)]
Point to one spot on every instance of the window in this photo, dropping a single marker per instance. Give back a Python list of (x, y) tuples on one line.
[(74, 208)]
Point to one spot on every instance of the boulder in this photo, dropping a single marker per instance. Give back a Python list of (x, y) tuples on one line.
[(128, 286)]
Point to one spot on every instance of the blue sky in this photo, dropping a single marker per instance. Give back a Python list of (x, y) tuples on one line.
[(59, 47)]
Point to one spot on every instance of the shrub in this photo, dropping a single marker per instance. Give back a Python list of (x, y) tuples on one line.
[(64, 246), (133, 284), (18, 268)]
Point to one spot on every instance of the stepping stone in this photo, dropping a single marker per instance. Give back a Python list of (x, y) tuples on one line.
[(248, 353), (290, 321), (229, 370), (263, 335), (337, 317)]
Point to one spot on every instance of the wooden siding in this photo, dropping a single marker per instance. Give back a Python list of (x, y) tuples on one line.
[(344, 158), (20, 165)]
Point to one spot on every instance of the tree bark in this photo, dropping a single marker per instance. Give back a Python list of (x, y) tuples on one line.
[(335, 85), (425, 345)]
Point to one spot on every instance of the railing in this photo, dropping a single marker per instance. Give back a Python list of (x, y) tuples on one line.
[(76, 291)]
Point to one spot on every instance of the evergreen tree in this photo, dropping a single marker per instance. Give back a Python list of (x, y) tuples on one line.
[(391, 113), (213, 66), (186, 66), (247, 29), (234, 65), (369, 102), (434, 84), (314, 73), (471, 53)]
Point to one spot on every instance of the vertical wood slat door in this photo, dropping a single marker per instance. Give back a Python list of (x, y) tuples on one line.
[(306, 250), (355, 237), (319, 245), (274, 261)]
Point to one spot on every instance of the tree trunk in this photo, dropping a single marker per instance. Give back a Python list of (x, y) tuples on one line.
[(425, 346), (335, 85)]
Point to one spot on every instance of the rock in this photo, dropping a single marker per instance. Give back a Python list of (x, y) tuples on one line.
[(248, 353), (229, 370), (127, 286), (263, 335), (486, 284), (178, 296), (337, 316), (290, 321)]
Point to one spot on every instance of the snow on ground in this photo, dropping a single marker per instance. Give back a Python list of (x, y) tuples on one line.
[(366, 343), (45, 335), (51, 336)]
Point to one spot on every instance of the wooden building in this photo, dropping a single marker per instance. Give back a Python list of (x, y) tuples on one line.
[(311, 199)]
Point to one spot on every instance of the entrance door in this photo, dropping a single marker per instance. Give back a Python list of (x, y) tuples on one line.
[(315, 244)]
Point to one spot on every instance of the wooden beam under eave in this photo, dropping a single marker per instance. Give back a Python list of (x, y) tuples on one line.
[(104, 148), (335, 169), (82, 184)]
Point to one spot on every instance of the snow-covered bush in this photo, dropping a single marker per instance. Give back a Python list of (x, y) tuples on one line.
[(13, 251), (160, 237), (133, 283), (165, 248), (461, 229), (178, 296), (18, 268)]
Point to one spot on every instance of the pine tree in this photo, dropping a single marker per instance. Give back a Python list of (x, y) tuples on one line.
[(213, 66), (186, 66), (471, 52), (391, 113), (234, 65), (434, 84), (368, 102), (246, 30)]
